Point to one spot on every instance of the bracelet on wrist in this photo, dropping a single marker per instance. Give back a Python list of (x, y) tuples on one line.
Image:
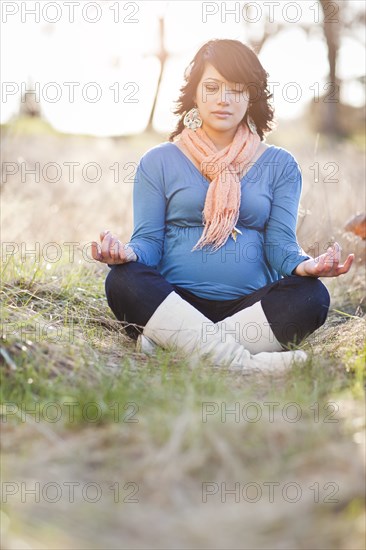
[(130, 254)]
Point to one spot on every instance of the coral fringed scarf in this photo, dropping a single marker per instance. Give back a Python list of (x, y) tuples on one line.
[(221, 210)]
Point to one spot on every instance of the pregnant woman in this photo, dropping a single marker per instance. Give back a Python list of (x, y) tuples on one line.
[(213, 267)]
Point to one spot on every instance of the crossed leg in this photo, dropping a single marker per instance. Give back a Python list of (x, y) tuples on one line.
[(273, 318)]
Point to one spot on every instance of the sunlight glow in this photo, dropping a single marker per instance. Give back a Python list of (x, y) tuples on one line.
[(123, 55)]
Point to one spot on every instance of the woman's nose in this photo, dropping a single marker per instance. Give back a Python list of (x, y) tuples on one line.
[(224, 95)]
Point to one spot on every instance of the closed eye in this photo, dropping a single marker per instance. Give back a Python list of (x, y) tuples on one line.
[(211, 87), (215, 87)]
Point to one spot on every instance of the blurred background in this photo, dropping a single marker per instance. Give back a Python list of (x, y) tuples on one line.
[(88, 88)]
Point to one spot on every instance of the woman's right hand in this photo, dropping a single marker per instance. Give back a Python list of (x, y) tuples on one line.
[(111, 250)]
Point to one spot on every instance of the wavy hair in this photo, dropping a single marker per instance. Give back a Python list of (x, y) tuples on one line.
[(236, 62)]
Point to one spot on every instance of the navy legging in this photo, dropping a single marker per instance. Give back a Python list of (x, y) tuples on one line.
[(294, 306)]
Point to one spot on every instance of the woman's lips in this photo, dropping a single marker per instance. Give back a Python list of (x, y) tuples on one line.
[(221, 114)]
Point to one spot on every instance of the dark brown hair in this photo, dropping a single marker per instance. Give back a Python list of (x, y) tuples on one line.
[(236, 62)]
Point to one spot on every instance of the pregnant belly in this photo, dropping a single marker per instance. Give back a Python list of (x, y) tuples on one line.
[(240, 265)]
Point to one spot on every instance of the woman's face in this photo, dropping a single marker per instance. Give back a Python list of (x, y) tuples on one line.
[(221, 104)]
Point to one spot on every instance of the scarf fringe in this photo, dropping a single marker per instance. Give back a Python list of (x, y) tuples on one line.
[(217, 232)]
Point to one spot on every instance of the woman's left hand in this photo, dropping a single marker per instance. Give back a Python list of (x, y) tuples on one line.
[(326, 265)]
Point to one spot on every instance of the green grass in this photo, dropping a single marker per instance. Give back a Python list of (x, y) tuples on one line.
[(155, 422), (26, 125), (65, 341)]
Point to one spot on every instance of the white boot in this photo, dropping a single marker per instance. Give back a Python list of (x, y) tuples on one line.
[(250, 327), (145, 345), (177, 325)]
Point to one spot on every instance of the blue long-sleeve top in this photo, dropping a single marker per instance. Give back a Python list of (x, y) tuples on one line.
[(168, 199)]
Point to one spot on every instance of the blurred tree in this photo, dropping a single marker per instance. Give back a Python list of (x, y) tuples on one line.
[(162, 55), (340, 20), (332, 30), (29, 106)]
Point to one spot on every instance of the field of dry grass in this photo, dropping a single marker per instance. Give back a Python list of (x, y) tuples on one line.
[(106, 448)]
